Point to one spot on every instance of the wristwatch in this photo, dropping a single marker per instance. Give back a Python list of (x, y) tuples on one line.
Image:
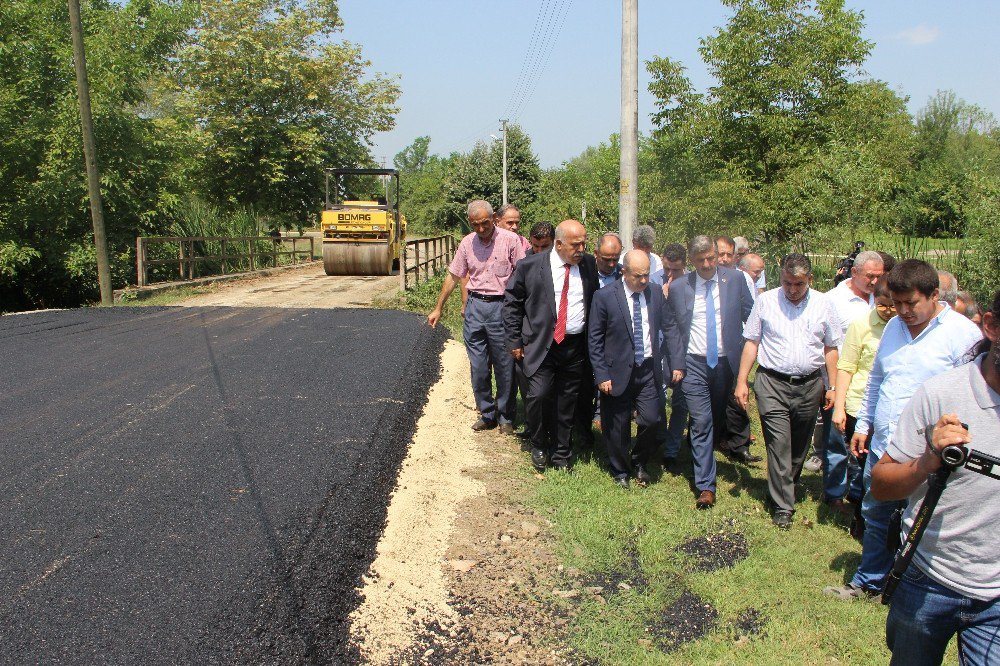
[(831, 388)]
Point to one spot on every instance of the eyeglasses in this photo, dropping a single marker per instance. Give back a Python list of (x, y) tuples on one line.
[(885, 308)]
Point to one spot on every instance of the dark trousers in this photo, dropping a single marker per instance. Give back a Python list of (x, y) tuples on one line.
[(556, 386), (736, 438), (642, 395), (787, 417), (705, 390), (489, 359)]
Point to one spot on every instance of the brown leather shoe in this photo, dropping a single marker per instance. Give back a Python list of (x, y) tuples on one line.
[(706, 500)]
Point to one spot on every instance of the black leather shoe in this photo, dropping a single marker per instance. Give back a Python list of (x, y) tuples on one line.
[(622, 482), (483, 424), (671, 467), (642, 478), (743, 456), (782, 519), (539, 460)]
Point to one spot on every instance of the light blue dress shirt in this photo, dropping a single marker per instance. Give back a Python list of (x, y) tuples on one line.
[(903, 363)]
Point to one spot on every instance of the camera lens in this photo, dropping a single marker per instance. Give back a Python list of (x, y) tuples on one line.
[(954, 456)]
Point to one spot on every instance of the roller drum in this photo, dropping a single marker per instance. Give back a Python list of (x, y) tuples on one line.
[(357, 258)]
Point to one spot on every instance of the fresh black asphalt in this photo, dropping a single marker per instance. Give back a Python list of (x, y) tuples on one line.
[(198, 485)]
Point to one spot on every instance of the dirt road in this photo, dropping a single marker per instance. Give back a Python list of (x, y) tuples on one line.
[(303, 288)]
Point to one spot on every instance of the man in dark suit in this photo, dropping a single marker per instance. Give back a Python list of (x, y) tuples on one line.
[(706, 311), (626, 318), (545, 318)]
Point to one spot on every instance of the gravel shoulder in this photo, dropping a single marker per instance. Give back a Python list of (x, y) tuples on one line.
[(459, 567)]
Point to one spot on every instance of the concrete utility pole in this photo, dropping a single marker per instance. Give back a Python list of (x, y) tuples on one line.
[(90, 154), (503, 128), (628, 195)]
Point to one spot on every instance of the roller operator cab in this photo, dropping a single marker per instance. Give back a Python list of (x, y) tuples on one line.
[(363, 237)]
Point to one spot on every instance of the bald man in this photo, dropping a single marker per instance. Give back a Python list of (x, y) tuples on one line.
[(626, 318), (545, 320)]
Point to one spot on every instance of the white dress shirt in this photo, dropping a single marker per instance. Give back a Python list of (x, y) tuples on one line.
[(903, 363), (849, 305), (698, 342), (575, 309), (647, 344), (793, 337)]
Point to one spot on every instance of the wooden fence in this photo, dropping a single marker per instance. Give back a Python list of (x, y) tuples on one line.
[(429, 255), (202, 256)]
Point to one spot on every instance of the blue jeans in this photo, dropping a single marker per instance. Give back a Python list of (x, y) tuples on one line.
[(876, 560), (924, 615), (835, 457)]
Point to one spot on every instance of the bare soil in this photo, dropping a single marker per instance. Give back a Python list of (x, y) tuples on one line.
[(461, 562)]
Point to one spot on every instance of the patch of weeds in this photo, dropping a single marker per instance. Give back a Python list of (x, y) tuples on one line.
[(721, 550), (687, 619)]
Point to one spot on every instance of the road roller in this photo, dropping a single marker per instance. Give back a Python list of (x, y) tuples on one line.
[(362, 237)]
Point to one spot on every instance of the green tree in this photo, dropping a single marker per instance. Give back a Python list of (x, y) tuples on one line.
[(790, 137), (478, 175), (275, 100), (46, 246), (423, 191), (956, 147)]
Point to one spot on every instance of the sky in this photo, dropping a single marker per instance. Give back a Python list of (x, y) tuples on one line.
[(553, 66)]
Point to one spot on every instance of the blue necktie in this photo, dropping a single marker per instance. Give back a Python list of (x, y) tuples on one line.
[(712, 344), (640, 351)]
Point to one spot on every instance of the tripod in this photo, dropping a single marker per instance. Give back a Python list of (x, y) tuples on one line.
[(952, 458)]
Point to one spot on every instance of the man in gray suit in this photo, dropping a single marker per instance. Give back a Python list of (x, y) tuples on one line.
[(706, 310)]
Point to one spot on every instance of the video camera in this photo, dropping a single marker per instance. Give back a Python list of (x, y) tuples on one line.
[(845, 265)]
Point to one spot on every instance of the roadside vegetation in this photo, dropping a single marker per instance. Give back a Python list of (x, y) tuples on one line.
[(660, 582)]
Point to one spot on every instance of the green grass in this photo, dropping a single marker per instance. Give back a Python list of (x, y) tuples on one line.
[(597, 524), (169, 297), (423, 298)]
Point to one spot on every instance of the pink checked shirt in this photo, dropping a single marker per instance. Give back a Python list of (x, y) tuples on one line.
[(489, 265)]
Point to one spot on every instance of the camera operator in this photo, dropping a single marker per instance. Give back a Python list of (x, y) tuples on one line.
[(847, 263), (953, 583)]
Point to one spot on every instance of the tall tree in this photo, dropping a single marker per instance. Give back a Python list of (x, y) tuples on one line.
[(46, 243), (276, 100), (791, 136), (478, 175)]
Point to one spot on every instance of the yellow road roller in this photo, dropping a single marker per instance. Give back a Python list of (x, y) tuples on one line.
[(362, 237)]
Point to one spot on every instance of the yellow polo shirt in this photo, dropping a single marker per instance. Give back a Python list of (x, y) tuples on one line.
[(858, 356)]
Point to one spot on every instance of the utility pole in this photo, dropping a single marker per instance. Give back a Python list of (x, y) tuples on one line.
[(628, 194), (90, 154), (583, 214), (503, 128)]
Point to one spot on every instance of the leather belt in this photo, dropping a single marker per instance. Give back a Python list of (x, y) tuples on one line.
[(489, 298), (791, 379)]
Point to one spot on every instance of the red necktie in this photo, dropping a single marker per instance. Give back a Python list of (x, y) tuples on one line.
[(560, 333)]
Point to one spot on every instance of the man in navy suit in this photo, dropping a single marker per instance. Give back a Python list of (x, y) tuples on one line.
[(626, 318), (545, 319), (706, 310)]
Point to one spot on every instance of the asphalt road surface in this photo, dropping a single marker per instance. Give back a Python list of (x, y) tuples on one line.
[(198, 485)]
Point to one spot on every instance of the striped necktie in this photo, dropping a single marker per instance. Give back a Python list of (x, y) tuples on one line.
[(637, 337)]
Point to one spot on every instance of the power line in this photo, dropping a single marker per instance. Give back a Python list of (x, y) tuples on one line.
[(527, 54), (536, 56), (545, 62)]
